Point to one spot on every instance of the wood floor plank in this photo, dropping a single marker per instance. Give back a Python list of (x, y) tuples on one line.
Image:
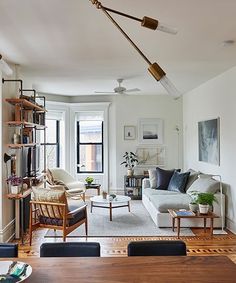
[(200, 244)]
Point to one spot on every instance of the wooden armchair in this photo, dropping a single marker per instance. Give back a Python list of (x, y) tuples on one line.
[(55, 214)]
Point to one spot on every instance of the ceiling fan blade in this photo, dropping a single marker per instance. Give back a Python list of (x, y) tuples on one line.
[(132, 90), (104, 92)]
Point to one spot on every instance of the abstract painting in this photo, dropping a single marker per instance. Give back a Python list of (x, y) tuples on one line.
[(208, 141)]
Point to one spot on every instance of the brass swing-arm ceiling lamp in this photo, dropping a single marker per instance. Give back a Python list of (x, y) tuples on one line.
[(154, 68)]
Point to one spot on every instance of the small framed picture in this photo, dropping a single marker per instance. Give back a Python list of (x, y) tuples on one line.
[(129, 132), (151, 131)]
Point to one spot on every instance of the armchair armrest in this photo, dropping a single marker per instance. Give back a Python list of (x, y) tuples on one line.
[(146, 183), (76, 210)]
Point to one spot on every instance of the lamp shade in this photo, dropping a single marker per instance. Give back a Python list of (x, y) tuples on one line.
[(6, 157)]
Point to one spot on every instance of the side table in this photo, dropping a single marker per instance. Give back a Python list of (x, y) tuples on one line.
[(195, 215), (93, 186)]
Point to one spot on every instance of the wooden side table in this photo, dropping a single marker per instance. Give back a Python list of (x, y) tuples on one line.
[(195, 215), (93, 186)]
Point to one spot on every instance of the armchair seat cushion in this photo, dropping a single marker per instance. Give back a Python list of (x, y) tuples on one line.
[(76, 185), (74, 218)]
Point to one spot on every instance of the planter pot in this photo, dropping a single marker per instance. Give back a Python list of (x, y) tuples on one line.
[(193, 207), (15, 190), (130, 172), (203, 208)]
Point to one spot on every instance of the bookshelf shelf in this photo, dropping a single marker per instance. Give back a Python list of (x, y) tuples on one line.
[(133, 186)]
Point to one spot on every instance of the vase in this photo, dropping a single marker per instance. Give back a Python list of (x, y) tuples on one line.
[(15, 190), (203, 208), (130, 172), (193, 207)]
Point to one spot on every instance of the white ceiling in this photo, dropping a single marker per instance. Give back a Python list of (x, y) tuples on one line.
[(69, 47)]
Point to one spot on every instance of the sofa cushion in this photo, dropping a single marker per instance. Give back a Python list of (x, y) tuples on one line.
[(204, 185), (173, 201), (150, 192), (152, 173), (178, 182), (192, 177), (163, 178)]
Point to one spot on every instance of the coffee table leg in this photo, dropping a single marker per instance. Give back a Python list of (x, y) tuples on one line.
[(91, 206), (178, 227), (173, 224), (205, 224), (129, 206), (110, 211), (211, 228)]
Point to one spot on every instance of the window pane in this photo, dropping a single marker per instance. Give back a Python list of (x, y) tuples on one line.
[(90, 158), (51, 131), (90, 131), (51, 156)]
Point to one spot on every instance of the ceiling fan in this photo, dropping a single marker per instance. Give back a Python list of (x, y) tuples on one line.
[(120, 89)]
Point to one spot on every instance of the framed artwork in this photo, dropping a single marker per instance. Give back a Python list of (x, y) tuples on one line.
[(129, 132), (151, 131), (209, 141), (148, 156)]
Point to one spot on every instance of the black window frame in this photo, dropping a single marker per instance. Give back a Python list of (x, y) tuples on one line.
[(89, 143)]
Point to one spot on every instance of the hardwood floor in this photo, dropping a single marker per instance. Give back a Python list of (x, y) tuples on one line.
[(200, 244)]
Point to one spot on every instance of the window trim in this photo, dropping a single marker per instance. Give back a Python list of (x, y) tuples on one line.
[(89, 143)]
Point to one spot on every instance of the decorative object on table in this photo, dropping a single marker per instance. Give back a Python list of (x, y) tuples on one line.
[(193, 206), (15, 184), (112, 197), (129, 133), (204, 200), (130, 161), (14, 271), (104, 195), (151, 131), (89, 180), (209, 141)]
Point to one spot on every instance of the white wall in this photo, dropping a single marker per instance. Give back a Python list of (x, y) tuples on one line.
[(129, 109), (216, 98), (7, 90)]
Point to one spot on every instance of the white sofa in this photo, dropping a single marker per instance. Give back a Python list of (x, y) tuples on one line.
[(158, 201)]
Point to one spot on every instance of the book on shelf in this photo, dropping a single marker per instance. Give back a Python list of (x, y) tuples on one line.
[(184, 213)]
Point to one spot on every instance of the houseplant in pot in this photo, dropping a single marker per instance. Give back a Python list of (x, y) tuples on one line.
[(15, 184), (130, 160), (205, 201), (89, 180)]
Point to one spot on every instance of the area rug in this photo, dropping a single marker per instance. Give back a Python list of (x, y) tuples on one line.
[(124, 224)]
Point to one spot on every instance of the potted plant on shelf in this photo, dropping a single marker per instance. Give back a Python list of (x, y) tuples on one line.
[(205, 201), (15, 184), (130, 160), (89, 180)]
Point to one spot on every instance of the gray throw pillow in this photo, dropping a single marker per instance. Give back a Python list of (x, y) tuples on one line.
[(163, 178), (178, 182), (152, 173), (192, 177), (204, 185)]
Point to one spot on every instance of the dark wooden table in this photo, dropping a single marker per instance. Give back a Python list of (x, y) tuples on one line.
[(178, 269), (94, 186), (209, 215)]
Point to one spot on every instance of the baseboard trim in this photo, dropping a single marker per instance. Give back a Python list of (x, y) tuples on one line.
[(231, 225), (8, 233)]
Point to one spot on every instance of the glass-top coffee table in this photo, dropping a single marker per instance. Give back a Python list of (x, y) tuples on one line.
[(119, 201)]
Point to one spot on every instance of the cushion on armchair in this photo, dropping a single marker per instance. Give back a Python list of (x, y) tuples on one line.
[(52, 196)]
